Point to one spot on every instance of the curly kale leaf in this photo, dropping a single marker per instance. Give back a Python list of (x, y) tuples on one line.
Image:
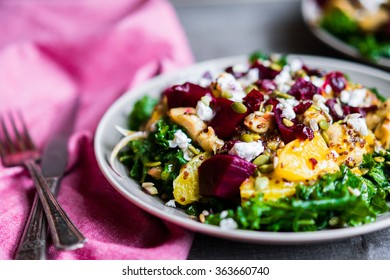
[(143, 108), (335, 200), (155, 149)]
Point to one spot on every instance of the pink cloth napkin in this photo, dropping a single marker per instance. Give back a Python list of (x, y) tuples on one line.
[(51, 51)]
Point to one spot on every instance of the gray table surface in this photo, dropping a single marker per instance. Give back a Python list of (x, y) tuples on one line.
[(217, 28)]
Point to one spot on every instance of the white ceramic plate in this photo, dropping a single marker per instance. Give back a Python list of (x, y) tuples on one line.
[(311, 15), (107, 136)]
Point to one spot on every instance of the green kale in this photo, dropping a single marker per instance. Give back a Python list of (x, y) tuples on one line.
[(378, 94), (256, 56), (141, 155), (335, 200), (143, 108)]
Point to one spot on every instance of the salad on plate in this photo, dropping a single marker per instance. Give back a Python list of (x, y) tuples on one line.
[(362, 24), (270, 145)]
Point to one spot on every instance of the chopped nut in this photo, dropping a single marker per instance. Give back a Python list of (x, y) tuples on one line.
[(260, 123), (149, 187)]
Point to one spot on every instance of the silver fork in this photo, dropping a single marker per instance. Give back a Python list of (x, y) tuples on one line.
[(18, 149)]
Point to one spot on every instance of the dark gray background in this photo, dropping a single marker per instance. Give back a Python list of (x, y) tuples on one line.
[(217, 28)]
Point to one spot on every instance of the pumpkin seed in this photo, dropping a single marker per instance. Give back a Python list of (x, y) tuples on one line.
[(261, 160), (239, 107)]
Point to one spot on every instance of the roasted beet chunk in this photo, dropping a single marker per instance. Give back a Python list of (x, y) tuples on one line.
[(265, 72), (303, 90), (222, 175), (336, 80), (253, 100), (185, 95), (286, 132), (226, 120), (236, 74), (266, 86)]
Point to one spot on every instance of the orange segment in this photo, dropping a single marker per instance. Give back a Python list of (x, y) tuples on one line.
[(186, 185), (305, 160)]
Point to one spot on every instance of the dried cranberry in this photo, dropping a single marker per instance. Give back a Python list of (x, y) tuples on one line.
[(303, 132), (302, 107), (361, 110), (336, 80), (313, 162), (331, 103), (303, 90), (314, 71)]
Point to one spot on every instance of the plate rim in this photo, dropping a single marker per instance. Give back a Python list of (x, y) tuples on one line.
[(335, 43), (250, 236)]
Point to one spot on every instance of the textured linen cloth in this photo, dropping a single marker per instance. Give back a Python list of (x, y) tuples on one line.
[(51, 51)]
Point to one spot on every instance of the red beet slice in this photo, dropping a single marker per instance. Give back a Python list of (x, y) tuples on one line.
[(226, 120), (185, 95), (222, 175)]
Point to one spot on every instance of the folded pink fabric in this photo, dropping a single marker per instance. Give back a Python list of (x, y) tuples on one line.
[(51, 51)]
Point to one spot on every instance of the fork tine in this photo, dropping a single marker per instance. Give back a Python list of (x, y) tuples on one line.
[(26, 135), (2, 149), (8, 145), (19, 138)]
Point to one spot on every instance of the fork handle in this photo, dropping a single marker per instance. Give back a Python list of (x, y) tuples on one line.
[(64, 233), (32, 245)]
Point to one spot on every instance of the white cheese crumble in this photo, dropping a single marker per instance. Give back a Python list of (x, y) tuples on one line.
[(357, 123), (345, 96), (328, 89), (354, 98), (357, 97), (251, 77), (182, 141), (372, 5), (246, 150), (240, 68), (287, 110), (224, 214), (282, 79), (227, 83), (296, 65), (337, 108), (204, 112), (318, 82), (171, 203), (228, 224)]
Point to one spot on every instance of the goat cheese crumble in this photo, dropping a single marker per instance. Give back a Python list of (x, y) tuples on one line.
[(182, 141), (247, 151)]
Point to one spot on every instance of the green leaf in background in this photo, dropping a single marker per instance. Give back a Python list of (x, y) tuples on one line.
[(339, 23)]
